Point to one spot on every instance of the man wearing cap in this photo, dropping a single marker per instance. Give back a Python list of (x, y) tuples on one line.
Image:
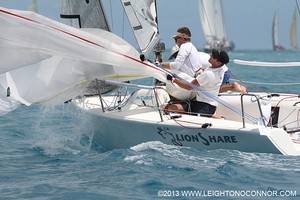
[(224, 87), (209, 80), (187, 59)]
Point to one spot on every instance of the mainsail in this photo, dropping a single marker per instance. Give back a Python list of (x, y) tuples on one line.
[(213, 25), (53, 62), (143, 20), (84, 14)]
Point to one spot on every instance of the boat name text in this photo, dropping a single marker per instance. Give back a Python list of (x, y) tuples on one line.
[(177, 139)]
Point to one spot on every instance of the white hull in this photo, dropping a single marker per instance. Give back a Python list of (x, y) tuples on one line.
[(135, 124)]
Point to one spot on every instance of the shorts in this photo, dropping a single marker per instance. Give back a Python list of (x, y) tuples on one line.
[(198, 107)]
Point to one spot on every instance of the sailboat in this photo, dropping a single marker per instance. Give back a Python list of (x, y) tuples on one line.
[(56, 62), (141, 112), (293, 32), (213, 25), (275, 39)]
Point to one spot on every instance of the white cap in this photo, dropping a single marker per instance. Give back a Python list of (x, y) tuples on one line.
[(174, 52)]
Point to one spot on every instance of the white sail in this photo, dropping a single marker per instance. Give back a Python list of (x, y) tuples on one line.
[(52, 60), (275, 30), (213, 25), (83, 14), (293, 33), (142, 17), (275, 36)]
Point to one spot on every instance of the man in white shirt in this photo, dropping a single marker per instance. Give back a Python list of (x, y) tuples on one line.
[(210, 81), (187, 59), (204, 57)]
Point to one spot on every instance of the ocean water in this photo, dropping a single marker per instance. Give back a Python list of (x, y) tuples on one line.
[(48, 153)]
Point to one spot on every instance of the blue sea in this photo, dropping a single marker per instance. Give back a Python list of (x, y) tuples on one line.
[(47, 152)]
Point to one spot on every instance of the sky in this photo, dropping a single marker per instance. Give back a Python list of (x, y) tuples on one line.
[(248, 23)]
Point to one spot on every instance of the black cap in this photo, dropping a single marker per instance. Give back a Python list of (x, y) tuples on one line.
[(221, 56)]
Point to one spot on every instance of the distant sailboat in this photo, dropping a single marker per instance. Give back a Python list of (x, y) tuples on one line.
[(213, 25), (293, 33), (276, 45)]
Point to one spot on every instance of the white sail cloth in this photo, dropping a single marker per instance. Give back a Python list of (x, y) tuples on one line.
[(142, 16), (46, 61)]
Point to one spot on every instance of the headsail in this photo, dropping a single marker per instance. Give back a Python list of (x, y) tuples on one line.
[(51, 60), (142, 17)]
